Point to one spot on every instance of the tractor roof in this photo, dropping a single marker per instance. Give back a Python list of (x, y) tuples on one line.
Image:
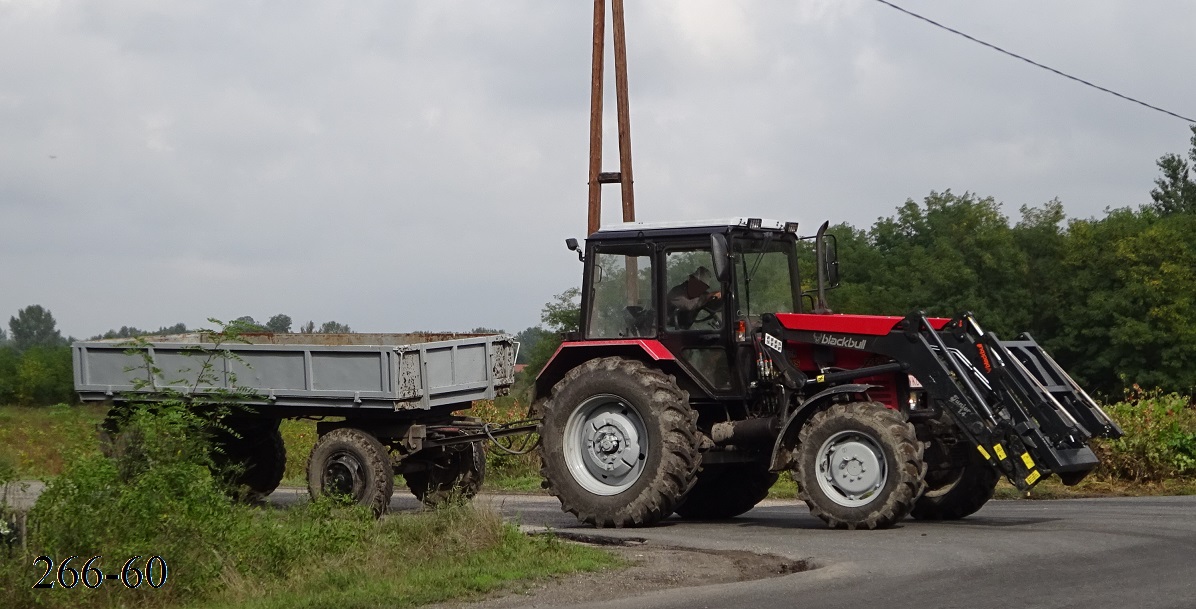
[(689, 227)]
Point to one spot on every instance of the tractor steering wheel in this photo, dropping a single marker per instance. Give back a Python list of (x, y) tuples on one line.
[(709, 313)]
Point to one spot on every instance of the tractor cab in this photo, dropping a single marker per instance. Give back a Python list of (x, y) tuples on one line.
[(697, 289)]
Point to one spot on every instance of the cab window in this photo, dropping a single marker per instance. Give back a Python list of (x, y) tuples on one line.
[(621, 289)]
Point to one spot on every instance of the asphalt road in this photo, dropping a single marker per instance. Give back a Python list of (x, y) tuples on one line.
[(1089, 553)]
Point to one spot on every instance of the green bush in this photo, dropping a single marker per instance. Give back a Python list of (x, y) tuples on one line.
[(1159, 441), (39, 376), (156, 495), (10, 360)]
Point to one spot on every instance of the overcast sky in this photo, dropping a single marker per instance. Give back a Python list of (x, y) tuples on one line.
[(417, 165)]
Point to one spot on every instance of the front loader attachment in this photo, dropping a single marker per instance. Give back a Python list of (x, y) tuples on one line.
[(1022, 412), (1025, 414)]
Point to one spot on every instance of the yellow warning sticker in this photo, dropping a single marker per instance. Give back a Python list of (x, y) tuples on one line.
[(1000, 450), (984, 452), (1033, 477), (1027, 460), (821, 378)]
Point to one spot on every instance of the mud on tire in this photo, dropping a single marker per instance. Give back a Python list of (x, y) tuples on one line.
[(351, 462), (859, 466), (619, 443), (726, 491)]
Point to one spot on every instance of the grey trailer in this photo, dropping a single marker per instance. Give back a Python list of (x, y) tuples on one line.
[(385, 403)]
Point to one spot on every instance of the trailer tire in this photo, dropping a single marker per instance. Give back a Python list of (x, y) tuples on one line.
[(726, 491), (619, 443), (859, 466), (958, 493), (259, 455), (353, 463), (457, 474)]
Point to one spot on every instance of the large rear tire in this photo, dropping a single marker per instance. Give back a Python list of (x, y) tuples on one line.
[(957, 493), (859, 466), (726, 491), (619, 443), (352, 463), (458, 473)]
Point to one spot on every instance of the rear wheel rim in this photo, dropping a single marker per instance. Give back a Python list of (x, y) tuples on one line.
[(605, 445), (344, 474), (851, 469)]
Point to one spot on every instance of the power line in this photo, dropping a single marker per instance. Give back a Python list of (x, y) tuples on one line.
[(1034, 63)]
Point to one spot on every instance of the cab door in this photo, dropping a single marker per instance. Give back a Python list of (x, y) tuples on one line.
[(694, 315)]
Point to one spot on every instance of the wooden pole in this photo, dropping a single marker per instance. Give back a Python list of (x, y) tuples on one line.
[(624, 111), (595, 204)]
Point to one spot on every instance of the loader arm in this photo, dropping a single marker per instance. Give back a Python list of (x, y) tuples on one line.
[(1024, 414)]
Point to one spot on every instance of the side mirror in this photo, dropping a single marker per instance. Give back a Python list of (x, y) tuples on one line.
[(571, 243), (832, 260), (722, 260), (824, 268)]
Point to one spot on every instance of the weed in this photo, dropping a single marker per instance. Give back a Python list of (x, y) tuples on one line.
[(1159, 441), (298, 435)]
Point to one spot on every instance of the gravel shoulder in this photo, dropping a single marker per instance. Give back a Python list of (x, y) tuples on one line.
[(650, 567)]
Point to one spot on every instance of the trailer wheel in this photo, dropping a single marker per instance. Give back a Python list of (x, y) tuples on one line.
[(258, 458), (619, 443), (351, 463), (957, 493), (457, 474), (859, 466), (726, 491)]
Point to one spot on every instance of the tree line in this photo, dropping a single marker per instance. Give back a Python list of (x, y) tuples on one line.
[(1112, 298)]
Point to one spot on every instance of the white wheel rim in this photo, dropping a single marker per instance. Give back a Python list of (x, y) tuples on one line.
[(605, 445), (851, 468)]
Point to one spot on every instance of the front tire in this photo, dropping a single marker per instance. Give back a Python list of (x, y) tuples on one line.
[(958, 493), (619, 443), (726, 491), (351, 463), (859, 466)]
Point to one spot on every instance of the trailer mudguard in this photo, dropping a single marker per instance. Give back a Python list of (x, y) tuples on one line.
[(782, 450)]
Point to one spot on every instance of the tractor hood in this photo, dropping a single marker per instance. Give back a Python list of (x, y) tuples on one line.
[(875, 325)]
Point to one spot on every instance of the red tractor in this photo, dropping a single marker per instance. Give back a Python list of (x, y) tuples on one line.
[(701, 371)]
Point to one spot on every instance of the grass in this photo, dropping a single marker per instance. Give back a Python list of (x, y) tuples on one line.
[(321, 557), (412, 559), (299, 435), (37, 440)]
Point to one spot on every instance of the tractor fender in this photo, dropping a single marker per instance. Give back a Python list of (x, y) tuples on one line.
[(782, 450), (574, 353)]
